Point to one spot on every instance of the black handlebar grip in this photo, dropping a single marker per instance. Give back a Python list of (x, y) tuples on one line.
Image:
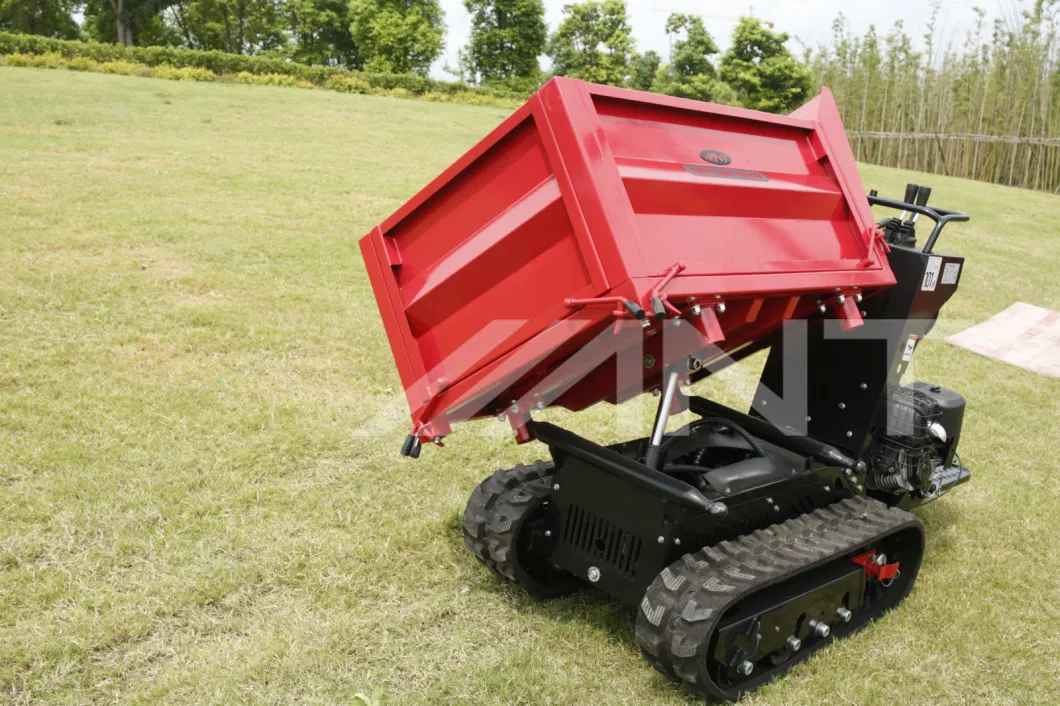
[(923, 195), (657, 308), (634, 309), (910, 192)]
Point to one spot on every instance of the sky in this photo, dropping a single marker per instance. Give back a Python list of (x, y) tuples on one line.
[(808, 21)]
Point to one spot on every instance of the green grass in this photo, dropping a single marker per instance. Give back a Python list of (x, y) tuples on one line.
[(189, 344)]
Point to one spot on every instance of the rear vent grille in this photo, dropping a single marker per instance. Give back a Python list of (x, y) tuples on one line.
[(606, 543)]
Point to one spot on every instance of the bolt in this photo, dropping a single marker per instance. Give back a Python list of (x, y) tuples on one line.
[(720, 308), (745, 668), (696, 310), (502, 417), (548, 533), (881, 559), (864, 386), (842, 405), (677, 322), (594, 574), (776, 628), (841, 299), (809, 419), (823, 309), (864, 313), (661, 539), (857, 298), (793, 643), (514, 409), (649, 361), (828, 489), (860, 487), (555, 487), (844, 614), (655, 392), (691, 299), (677, 541), (850, 434), (776, 508), (540, 404), (763, 403), (645, 323), (769, 500), (820, 629)]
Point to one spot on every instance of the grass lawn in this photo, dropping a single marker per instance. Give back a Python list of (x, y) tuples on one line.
[(189, 346)]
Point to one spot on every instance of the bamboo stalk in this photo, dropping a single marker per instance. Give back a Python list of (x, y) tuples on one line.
[(987, 111)]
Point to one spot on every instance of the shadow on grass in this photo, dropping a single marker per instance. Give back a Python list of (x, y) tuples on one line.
[(585, 606)]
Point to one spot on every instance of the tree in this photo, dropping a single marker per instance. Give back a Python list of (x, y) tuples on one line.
[(128, 22), (400, 36), (690, 73), (762, 71), (49, 18), (233, 26), (594, 42), (645, 66), (321, 32), (507, 36)]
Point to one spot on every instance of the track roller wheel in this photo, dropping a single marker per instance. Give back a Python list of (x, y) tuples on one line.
[(506, 528)]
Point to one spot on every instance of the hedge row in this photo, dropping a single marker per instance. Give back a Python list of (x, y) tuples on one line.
[(343, 84), (223, 64)]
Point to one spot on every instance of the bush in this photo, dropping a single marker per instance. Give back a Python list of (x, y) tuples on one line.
[(124, 68), (187, 73), (80, 63), (273, 80), (50, 60), (347, 84)]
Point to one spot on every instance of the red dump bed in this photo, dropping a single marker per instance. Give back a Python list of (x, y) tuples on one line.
[(590, 192)]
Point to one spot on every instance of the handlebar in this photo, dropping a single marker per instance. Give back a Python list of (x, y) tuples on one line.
[(940, 216)]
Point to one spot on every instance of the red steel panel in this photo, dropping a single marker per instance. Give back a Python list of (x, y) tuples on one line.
[(590, 191)]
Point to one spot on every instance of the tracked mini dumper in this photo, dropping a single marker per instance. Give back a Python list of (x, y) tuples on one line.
[(601, 243)]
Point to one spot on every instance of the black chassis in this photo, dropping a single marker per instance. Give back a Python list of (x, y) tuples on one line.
[(617, 522), (611, 513)]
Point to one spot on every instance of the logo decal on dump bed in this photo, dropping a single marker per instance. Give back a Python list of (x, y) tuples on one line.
[(716, 157), (701, 170)]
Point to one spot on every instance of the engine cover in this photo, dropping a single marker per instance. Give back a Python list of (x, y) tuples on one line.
[(950, 415), (917, 431)]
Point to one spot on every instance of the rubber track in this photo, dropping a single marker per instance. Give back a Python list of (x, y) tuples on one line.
[(494, 515), (684, 604)]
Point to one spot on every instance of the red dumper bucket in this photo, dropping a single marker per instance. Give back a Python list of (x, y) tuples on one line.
[(594, 218)]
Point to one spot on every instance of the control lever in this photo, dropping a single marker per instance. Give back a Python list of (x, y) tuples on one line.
[(910, 194), (921, 199)]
